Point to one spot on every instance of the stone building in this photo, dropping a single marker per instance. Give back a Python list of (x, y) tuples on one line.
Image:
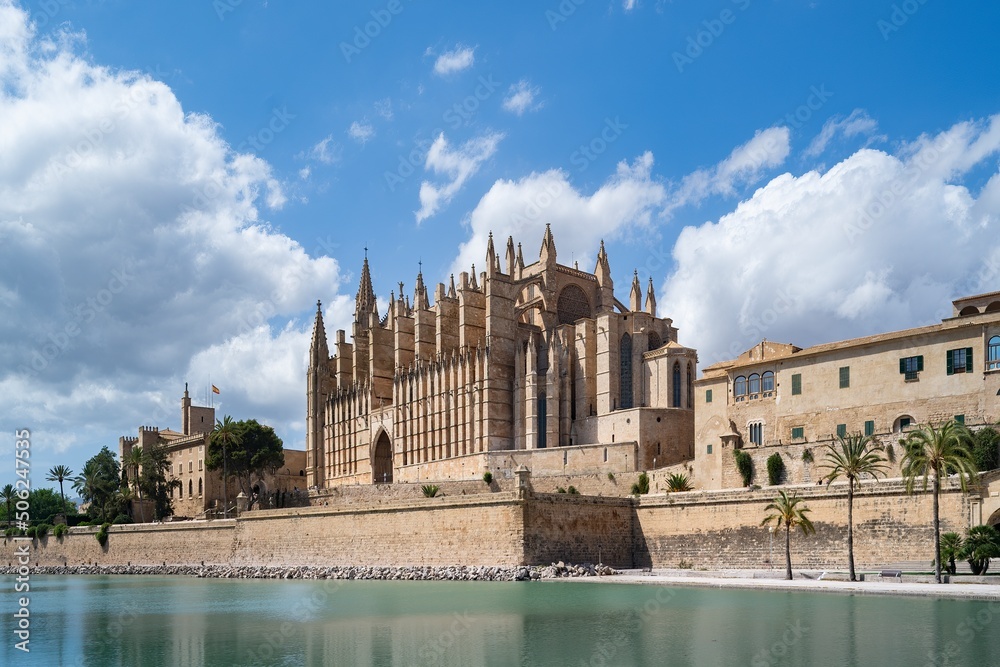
[(201, 490), (781, 398), (522, 364)]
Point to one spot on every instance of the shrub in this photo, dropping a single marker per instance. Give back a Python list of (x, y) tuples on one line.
[(31, 532), (12, 532), (981, 544), (678, 482), (60, 530), (807, 456), (559, 489), (744, 464), (611, 476), (121, 518), (430, 490), (42, 530), (102, 534), (572, 490), (890, 453), (488, 477), (642, 486), (685, 565), (775, 469), (985, 449)]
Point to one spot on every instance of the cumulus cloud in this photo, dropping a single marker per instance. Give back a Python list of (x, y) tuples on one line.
[(458, 59), (383, 108), (878, 242), (629, 198), (325, 151), (858, 123), (521, 97), (458, 164), (134, 248), (361, 131)]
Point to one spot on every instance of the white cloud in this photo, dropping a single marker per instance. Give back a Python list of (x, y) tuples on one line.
[(325, 151), (745, 165), (133, 246), (878, 242), (521, 97), (631, 198), (362, 131), (383, 108), (457, 164), (458, 59), (629, 5), (859, 122)]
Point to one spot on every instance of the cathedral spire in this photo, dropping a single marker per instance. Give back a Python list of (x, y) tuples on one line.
[(651, 298), (318, 350), (511, 260), (364, 302), (420, 293), (603, 269), (548, 252), (451, 287), (491, 256), (635, 297)]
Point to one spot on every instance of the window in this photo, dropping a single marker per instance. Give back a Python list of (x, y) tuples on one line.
[(767, 382), (708, 395), (798, 433), (959, 361), (605, 454), (870, 427), (910, 366), (796, 384), (757, 433), (191, 487), (993, 354), (676, 402), (690, 386), (200, 464), (845, 377), (180, 468), (740, 387), (625, 363), (841, 430), (190, 466), (709, 449), (960, 419), (903, 423), (200, 487), (180, 492), (754, 384)]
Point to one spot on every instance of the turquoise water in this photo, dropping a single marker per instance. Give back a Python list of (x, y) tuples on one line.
[(109, 621)]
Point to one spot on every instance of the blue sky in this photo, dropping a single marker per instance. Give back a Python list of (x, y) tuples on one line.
[(182, 180)]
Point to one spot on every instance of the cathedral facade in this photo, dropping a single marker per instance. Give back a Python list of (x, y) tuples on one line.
[(508, 366)]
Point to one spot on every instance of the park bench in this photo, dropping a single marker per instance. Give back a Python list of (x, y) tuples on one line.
[(897, 574)]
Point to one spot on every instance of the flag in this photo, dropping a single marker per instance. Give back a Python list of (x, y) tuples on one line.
[(215, 390)]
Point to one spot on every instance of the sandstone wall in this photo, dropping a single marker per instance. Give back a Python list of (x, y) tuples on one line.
[(578, 529)]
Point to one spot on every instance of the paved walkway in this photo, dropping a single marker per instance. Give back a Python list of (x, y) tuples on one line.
[(744, 580)]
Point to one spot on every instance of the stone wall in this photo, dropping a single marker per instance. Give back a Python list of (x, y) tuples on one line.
[(578, 529)]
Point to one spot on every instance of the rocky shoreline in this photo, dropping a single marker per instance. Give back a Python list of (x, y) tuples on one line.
[(360, 573)]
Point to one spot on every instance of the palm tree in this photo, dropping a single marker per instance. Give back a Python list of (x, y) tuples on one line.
[(59, 474), (937, 452), (132, 463), (852, 457), (981, 544), (951, 548), (788, 513), (9, 495), (678, 482), (225, 432)]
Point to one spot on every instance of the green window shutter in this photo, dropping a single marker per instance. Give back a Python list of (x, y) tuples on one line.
[(798, 433), (902, 365), (950, 362), (842, 430), (968, 360), (708, 395), (845, 377), (960, 419), (920, 363), (869, 427), (709, 449), (796, 384)]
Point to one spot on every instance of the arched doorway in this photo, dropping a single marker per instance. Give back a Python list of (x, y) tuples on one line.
[(994, 520), (382, 460)]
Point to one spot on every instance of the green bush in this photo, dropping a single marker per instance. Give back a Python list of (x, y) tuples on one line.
[(572, 490), (559, 489), (430, 490), (744, 464), (611, 476), (488, 477), (42, 530), (807, 456), (642, 486), (775, 469), (60, 530), (678, 482), (986, 448), (121, 518), (31, 532), (981, 544), (102, 534), (12, 532)]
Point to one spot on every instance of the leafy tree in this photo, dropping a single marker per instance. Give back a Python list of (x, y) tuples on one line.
[(98, 483), (934, 452), (59, 474), (744, 464), (153, 482), (45, 503), (787, 512), (9, 496), (981, 544), (642, 486), (246, 451), (986, 449), (951, 548), (852, 457), (678, 482), (775, 469)]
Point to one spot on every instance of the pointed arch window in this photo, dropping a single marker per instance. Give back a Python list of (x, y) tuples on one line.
[(676, 378), (625, 377), (690, 386)]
